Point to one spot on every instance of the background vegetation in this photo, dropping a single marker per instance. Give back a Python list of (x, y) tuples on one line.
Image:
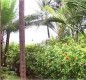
[(52, 60), (62, 57)]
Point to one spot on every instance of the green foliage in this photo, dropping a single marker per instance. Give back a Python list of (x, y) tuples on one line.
[(11, 77), (50, 10), (69, 15), (7, 9), (13, 55), (6, 73), (55, 60)]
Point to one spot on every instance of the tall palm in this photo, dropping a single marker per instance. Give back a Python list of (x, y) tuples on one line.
[(8, 12), (22, 40), (7, 8), (43, 15), (41, 18), (13, 27), (71, 12), (74, 12)]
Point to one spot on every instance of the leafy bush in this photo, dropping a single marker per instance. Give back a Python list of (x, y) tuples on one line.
[(55, 60), (13, 56)]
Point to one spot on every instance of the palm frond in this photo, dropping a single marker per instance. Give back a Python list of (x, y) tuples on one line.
[(7, 9), (55, 19)]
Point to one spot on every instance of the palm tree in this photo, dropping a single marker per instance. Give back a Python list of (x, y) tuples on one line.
[(72, 13), (22, 40), (9, 23), (66, 15), (13, 27), (7, 8), (43, 16)]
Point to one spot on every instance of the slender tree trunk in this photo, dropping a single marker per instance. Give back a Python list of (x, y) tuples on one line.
[(61, 34), (6, 47), (48, 32), (77, 36), (22, 40), (0, 40), (2, 48), (72, 32)]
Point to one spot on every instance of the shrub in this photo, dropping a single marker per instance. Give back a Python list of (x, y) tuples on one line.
[(54, 60)]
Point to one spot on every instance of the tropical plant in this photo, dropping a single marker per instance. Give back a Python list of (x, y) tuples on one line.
[(8, 14), (43, 15), (72, 13), (41, 18), (75, 15), (11, 25)]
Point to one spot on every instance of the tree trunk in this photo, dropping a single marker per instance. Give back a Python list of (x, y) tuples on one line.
[(6, 47), (0, 42), (48, 32), (2, 48), (0, 39), (61, 34), (77, 36), (22, 40), (72, 32)]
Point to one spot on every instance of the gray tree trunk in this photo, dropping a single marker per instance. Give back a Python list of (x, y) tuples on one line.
[(0, 41), (22, 40), (6, 47)]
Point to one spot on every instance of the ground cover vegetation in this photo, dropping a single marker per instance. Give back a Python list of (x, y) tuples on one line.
[(62, 57)]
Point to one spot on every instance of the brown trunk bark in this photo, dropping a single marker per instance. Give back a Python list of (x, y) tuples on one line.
[(77, 36), (0, 57), (61, 32), (2, 48), (6, 48), (73, 33), (22, 40), (0, 39)]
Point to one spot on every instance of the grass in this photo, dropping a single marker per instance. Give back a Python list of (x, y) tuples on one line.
[(11, 77)]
